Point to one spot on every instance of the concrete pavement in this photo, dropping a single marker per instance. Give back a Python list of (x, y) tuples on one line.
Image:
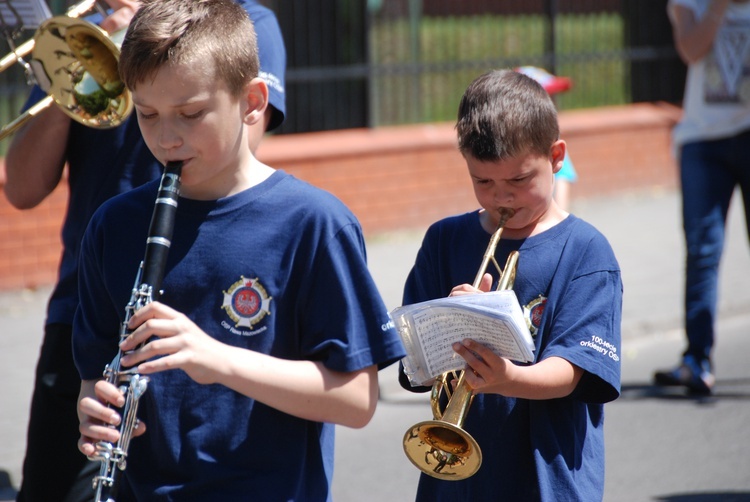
[(644, 230)]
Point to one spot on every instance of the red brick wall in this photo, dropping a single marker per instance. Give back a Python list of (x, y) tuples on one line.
[(618, 149), (392, 178), (30, 240)]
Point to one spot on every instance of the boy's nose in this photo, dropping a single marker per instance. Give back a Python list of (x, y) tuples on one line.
[(168, 136), (503, 198)]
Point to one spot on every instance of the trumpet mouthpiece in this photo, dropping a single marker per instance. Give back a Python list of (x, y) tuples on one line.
[(506, 213)]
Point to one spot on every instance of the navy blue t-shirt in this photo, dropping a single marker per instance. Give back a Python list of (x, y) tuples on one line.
[(280, 269), (568, 282)]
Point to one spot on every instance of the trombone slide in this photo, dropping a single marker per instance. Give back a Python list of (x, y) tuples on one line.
[(35, 110)]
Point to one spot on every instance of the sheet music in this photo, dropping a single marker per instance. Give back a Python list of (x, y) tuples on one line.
[(442, 327), (429, 329), (23, 14)]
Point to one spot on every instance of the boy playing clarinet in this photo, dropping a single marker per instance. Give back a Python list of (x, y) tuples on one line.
[(270, 329)]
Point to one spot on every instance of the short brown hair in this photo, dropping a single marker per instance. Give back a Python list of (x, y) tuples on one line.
[(214, 34), (504, 114)]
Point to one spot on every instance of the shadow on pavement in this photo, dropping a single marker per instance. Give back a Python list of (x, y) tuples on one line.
[(706, 497), (726, 389), (7, 492)]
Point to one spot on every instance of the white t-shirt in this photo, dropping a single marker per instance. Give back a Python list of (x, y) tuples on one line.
[(717, 91)]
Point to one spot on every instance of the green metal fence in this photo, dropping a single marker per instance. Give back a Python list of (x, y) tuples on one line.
[(408, 61), (425, 82)]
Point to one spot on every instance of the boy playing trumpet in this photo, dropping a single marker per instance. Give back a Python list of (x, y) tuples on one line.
[(539, 425)]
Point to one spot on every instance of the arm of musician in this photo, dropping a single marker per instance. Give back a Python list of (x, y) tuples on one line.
[(97, 421), (123, 12), (693, 38), (36, 157), (550, 378), (305, 389)]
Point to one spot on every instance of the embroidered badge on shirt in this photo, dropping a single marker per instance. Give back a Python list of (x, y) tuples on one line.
[(533, 313), (246, 302)]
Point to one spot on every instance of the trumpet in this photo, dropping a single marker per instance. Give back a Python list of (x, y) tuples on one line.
[(440, 447), (76, 63)]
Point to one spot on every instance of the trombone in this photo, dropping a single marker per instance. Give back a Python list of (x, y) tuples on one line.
[(440, 447), (76, 63)]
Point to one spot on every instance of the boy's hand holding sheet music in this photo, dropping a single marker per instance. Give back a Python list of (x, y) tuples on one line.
[(429, 329)]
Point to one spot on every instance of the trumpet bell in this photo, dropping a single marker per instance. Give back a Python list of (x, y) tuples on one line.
[(442, 450), (76, 63)]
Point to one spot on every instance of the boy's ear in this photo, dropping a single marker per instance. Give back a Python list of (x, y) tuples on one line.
[(557, 154), (256, 94)]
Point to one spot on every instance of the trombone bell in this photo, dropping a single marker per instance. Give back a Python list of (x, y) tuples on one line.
[(80, 62), (76, 63)]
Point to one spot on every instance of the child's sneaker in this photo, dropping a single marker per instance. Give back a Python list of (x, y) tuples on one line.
[(697, 377)]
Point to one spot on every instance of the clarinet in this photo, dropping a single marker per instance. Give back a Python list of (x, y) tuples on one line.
[(145, 290)]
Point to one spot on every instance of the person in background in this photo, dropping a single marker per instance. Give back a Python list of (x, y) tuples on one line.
[(567, 174), (540, 425), (711, 142), (101, 164), (270, 330), (564, 178)]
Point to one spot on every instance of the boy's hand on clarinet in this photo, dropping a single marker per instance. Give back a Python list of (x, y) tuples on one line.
[(98, 421), (171, 341)]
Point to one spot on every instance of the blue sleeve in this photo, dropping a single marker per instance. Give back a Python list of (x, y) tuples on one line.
[(586, 325), (272, 56), (348, 327), (36, 95), (422, 283)]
